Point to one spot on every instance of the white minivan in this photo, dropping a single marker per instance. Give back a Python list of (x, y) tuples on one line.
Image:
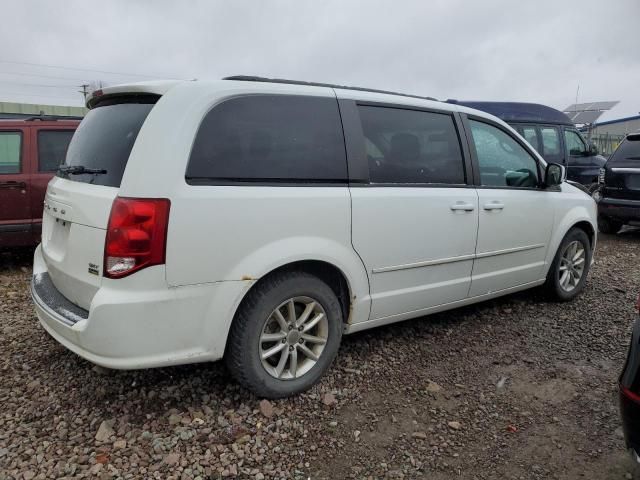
[(259, 220)]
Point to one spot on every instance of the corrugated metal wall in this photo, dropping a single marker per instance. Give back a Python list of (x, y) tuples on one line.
[(21, 110), (618, 128), (608, 136)]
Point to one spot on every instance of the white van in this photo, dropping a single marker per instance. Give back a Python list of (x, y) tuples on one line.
[(259, 220)]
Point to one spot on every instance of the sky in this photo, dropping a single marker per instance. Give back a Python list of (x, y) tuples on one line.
[(538, 51)]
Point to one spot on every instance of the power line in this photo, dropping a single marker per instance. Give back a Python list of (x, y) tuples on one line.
[(37, 85), (88, 70), (3, 92), (42, 76)]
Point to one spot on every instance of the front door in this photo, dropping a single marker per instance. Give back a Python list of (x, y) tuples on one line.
[(415, 224), (15, 208), (515, 214), (582, 167)]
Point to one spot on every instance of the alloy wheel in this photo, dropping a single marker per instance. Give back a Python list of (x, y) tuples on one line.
[(293, 338), (572, 264)]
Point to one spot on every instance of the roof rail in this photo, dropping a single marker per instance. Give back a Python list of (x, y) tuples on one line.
[(251, 78), (49, 118)]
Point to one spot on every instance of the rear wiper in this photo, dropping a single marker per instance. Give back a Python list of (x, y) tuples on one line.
[(80, 170)]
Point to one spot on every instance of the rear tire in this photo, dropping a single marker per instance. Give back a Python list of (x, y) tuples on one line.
[(275, 349), (608, 225), (568, 272)]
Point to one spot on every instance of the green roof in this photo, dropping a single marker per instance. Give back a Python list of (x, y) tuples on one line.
[(36, 109)]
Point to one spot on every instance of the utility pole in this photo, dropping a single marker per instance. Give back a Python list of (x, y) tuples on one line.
[(85, 90)]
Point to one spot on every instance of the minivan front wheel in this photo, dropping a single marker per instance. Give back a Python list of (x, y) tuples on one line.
[(570, 267), (285, 335)]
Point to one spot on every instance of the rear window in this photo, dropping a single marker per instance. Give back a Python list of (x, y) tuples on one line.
[(104, 140), (270, 138), (629, 149)]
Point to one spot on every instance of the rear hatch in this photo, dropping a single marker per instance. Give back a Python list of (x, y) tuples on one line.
[(622, 171), (78, 200)]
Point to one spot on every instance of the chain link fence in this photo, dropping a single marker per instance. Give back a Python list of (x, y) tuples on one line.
[(606, 142)]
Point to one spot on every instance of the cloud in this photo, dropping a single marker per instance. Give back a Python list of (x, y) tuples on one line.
[(491, 50)]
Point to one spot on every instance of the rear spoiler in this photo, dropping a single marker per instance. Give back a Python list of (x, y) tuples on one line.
[(117, 98), (51, 118), (133, 90)]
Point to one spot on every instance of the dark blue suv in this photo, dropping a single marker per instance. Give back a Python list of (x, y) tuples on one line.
[(552, 134)]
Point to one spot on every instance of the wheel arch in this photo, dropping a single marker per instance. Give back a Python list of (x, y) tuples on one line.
[(329, 273), (577, 217), (326, 271), (588, 228)]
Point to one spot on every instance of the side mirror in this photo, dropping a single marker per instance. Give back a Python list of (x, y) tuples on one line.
[(554, 175), (593, 150)]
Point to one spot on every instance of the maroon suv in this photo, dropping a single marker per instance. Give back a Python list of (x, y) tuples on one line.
[(30, 152)]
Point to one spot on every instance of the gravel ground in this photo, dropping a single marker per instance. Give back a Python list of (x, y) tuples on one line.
[(516, 388)]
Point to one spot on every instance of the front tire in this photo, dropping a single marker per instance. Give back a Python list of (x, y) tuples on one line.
[(608, 225), (285, 335), (568, 272)]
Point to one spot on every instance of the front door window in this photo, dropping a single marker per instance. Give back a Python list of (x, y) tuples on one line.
[(575, 145), (503, 162)]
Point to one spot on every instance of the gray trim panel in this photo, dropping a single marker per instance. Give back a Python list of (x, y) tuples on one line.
[(47, 296), (461, 258)]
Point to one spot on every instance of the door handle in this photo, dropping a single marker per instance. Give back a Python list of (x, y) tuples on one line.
[(13, 184), (495, 205), (467, 207)]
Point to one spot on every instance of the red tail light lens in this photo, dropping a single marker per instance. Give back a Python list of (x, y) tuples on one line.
[(634, 397), (136, 235)]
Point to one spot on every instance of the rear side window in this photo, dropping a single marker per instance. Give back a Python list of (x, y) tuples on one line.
[(270, 138), (104, 140), (629, 149), (550, 141), (530, 135), (411, 146), (10, 143), (52, 148)]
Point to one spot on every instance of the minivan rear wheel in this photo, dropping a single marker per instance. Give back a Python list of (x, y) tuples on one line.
[(570, 267), (285, 335)]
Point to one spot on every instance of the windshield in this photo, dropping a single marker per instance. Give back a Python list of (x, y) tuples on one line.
[(104, 140)]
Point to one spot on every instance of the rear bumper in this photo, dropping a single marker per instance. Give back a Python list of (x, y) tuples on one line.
[(621, 209), (141, 323)]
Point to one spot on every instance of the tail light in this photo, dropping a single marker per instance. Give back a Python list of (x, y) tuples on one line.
[(634, 397), (136, 235)]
